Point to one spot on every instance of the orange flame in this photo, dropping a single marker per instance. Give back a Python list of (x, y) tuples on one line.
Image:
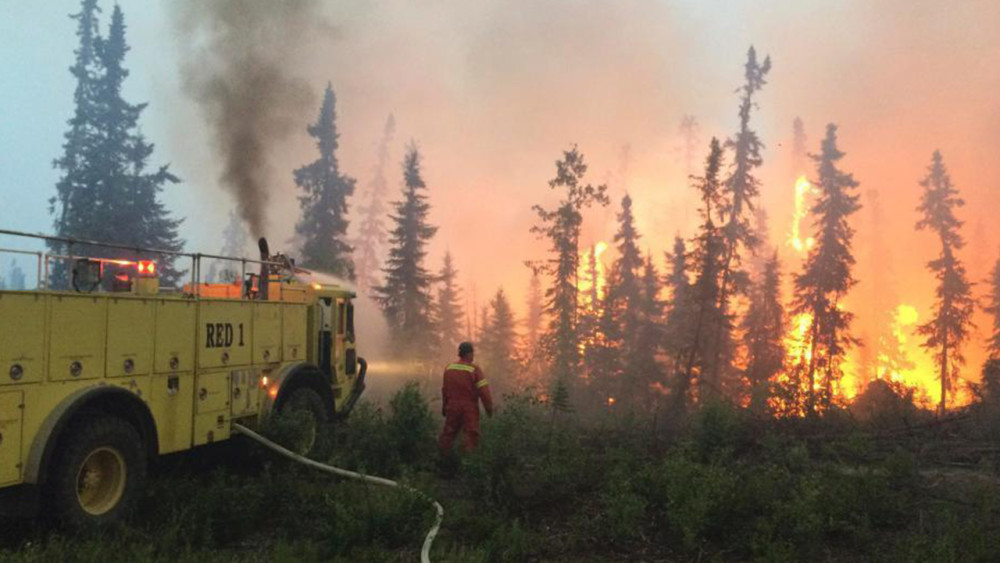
[(802, 190)]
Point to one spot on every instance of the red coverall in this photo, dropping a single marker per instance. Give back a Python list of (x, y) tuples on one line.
[(464, 386)]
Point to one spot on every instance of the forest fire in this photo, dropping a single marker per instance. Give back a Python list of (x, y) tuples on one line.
[(592, 276), (802, 191)]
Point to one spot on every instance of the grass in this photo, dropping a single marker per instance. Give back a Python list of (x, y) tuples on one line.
[(721, 486)]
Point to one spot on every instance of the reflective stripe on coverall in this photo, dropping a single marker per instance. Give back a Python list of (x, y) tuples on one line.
[(463, 387)]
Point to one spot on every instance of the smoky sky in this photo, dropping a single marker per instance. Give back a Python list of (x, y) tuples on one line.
[(238, 63)]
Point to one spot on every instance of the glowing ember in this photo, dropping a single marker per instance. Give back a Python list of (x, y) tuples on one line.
[(802, 190)]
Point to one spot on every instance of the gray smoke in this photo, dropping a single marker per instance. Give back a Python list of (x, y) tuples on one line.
[(239, 61)]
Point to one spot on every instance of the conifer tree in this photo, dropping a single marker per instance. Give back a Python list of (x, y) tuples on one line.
[(372, 231), (648, 338), (826, 276), (602, 356), (561, 226), (630, 301), (741, 191), (535, 309), (450, 315), (499, 344), (798, 147), (234, 244), (678, 330), (708, 256), (993, 309), (323, 223), (948, 329), (75, 201), (689, 139), (106, 192), (405, 297), (763, 333)]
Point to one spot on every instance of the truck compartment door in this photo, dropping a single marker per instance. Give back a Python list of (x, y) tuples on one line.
[(11, 415)]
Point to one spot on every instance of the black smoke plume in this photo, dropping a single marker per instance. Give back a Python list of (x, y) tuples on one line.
[(239, 61)]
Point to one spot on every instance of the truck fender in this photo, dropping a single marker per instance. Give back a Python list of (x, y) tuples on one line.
[(109, 398), (298, 375)]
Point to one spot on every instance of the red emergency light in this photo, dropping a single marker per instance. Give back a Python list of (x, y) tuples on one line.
[(146, 268)]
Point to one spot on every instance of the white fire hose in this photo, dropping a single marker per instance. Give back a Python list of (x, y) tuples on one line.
[(425, 553)]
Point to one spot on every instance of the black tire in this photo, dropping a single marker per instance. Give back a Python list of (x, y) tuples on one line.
[(97, 473), (307, 402)]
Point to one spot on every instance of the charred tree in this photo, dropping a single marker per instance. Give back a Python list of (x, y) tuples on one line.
[(949, 326)]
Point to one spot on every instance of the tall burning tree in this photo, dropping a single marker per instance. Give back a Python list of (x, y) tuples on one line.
[(709, 247), (561, 226), (993, 309), (741, 190), (826, 276), (949, 328), (323, 225), (763, 333)]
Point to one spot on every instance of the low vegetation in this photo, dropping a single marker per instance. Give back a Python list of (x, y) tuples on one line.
[(720, 485)]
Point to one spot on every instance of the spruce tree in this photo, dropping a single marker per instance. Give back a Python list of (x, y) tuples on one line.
[(628, 270), (561, 226), (826, 275), (948, 329), (689, 139), (75, 201), (741, 191), (708, 255), (763, 333), (499, 344), (106, 192), (448, 308), (603, 356), (535, 307), (678, 330), (323, 224), (405, 297), (993, 309), (234, 244), (798, 147), (647, 370), (372, 231)]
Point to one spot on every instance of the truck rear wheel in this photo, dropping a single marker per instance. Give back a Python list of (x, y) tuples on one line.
[(97, 472), (307, 403)]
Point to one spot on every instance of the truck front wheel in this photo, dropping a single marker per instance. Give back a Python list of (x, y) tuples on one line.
[(97, 472), (307, 404)]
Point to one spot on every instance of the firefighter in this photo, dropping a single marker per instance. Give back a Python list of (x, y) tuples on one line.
[(463, 387)]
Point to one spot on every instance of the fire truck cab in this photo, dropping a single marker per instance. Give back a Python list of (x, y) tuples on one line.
[(100, 377)]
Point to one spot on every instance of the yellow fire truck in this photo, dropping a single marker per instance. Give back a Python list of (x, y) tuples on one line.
[(100, 377)]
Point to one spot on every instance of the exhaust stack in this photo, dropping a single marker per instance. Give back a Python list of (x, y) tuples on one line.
[(265, 269)]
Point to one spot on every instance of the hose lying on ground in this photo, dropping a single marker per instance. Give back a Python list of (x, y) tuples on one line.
[(425, 553)]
